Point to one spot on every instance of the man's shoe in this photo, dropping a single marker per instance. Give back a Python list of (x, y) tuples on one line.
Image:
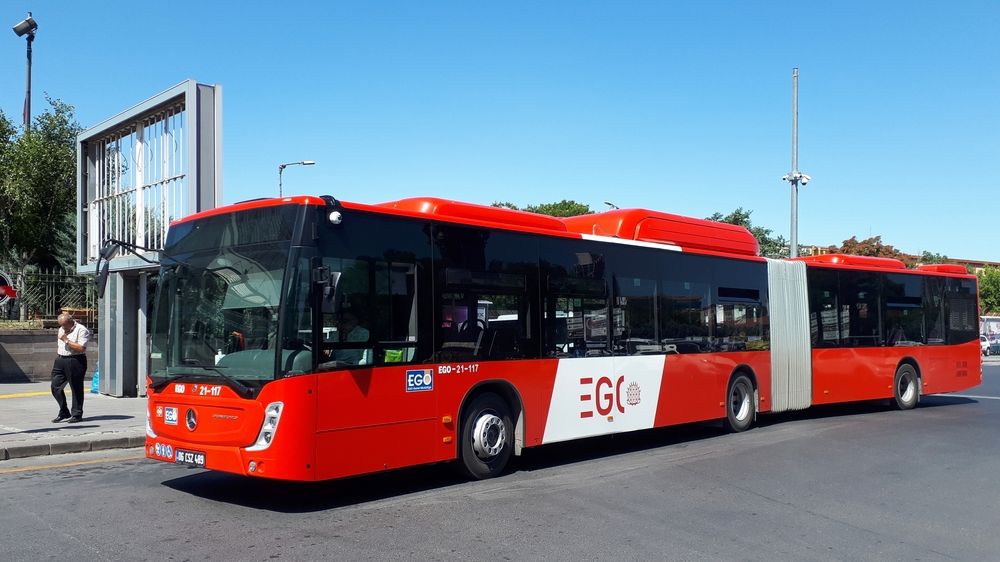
[(75, 419), (59, 418)]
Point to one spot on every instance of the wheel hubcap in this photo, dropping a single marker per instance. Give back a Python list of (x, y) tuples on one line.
[(488, 436), (906, 388), (739, 402)]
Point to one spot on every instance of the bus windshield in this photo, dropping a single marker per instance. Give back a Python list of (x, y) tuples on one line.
[(217, 314), (216, 309)]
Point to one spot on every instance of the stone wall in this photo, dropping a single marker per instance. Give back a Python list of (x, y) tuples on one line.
[(27, 355)]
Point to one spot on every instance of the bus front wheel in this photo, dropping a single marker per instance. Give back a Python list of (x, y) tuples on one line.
[(740, 405), (906, 391), (487, 437)]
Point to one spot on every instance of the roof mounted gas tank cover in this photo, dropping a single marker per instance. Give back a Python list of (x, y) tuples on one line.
[(943, 268), (860, 261), (446, 208), (689, 233)]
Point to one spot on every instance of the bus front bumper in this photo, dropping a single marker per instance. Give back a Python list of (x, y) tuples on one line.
[(268, 463)]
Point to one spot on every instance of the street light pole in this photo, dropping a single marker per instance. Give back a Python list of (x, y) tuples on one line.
[(795, 177), (27, 86), (26, 29), (281, 170)]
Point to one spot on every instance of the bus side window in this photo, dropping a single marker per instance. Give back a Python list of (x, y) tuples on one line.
[(860, 314), (347, 330), (576, 318), (963, 311), (904, 310), (823, 294), (934, 310), (483, 282), (635, 317)]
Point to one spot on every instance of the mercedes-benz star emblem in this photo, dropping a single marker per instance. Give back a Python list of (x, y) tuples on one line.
[(191, 419)]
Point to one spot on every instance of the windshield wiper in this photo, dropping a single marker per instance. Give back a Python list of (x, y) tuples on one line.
[(240, 388)]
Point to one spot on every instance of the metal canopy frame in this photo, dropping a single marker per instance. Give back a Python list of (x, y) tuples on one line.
[(178, 135)]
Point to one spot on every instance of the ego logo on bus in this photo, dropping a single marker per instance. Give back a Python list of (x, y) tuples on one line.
[(606, 396), (419, 380)]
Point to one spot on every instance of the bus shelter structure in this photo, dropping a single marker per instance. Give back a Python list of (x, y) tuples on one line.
[(138, 171)]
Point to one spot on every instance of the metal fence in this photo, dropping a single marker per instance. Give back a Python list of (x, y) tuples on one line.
[(42, 294)]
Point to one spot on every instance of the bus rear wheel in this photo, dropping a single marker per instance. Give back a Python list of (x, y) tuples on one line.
[(740, 407), (906, 389), (487, 437)]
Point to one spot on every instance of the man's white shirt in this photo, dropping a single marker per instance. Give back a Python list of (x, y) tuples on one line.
[(79, 335)]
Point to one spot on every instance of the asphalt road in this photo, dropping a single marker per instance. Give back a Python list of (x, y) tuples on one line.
[(848, 482)]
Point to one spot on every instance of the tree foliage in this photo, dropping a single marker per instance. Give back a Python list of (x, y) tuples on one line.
[(564, 208), (930, 257), (770, 246), (989, 290), (38, 188), (874, 246)]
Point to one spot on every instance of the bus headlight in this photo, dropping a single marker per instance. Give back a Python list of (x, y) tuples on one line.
[(272, 415), (149, 423)]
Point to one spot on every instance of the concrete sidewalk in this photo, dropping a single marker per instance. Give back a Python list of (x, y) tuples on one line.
[(26, 428)]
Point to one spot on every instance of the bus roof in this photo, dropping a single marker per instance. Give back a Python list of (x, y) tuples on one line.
[(635, 226), (254, 204), (639, 225), (849, 261)]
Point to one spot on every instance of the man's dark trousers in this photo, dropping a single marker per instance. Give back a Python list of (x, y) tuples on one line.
[(69, 370)]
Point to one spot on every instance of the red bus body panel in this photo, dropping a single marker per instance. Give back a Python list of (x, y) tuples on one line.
[(866, 373), (350, 422)]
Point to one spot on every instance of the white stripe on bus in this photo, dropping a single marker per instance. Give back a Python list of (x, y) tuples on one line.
[(613, 240), (602, 395)]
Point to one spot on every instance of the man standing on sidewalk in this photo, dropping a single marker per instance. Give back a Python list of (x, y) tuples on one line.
[(70, 367)]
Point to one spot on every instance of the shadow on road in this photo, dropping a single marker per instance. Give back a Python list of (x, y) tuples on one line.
[(108, 417), (856, 409), (294, 497), (60, 427)]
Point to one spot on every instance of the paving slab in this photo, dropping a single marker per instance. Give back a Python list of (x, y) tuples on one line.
[(26, 428)]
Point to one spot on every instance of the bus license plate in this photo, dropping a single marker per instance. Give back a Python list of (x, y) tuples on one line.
[(189, 457)]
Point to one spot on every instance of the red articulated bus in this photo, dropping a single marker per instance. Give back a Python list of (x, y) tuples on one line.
[(306, 338)]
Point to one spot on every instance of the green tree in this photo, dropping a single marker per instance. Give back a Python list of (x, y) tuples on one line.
[(929, 257), (989, 290), (38, 189), (770, 246), (564, 208), (874, 246)]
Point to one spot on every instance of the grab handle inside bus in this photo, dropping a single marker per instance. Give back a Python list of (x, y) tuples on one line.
[(326, 287)]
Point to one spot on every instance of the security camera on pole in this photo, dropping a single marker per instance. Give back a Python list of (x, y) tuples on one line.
[(26, 29), (795, 177)]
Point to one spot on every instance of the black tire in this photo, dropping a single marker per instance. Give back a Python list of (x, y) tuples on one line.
[(986, 352), (905, 388), (740, 404), (486, 455)]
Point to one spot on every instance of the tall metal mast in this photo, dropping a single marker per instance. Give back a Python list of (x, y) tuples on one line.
[(795, 177)]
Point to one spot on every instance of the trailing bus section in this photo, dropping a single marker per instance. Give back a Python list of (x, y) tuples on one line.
[(307, 338)]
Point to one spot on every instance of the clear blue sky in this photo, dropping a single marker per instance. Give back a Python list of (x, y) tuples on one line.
[(682, 107)]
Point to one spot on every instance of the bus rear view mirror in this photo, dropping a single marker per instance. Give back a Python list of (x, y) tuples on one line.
[(102, 279), (103, 265)]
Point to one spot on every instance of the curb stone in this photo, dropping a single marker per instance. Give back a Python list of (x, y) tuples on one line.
[(95, 444)]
